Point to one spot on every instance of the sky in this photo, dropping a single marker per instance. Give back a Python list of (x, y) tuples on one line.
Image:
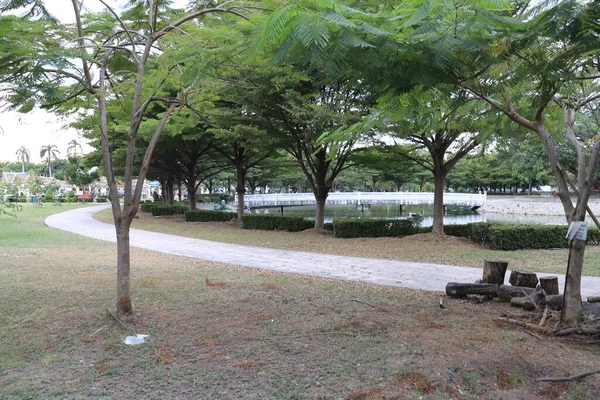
[(38, 127)]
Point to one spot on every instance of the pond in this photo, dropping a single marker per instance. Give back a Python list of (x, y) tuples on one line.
[(454, 214)]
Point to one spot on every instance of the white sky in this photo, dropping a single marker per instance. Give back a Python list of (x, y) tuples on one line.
[(38, 127)]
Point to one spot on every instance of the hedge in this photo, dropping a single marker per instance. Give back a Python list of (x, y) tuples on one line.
[(169, 210), (353, 228), (477, 232), (147, 207), (272, 223), (101, 199), (208, 216)]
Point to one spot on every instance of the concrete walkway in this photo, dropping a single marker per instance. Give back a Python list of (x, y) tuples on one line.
[(381, 272)]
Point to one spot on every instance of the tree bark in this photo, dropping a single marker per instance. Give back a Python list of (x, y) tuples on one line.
[(526, 279), (240, 188), (124, 305), (191, 188), (494, 271), (506, 292), (572, 308), (549, 284), (320, 214), (455, 289), (438, 201)]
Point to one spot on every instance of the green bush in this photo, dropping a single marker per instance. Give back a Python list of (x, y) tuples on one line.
[(208, 216), (353, 228), (477, 232), (516, 237), (147, 207), (328, 226), (272, 223), (169, 210), (101, 199)]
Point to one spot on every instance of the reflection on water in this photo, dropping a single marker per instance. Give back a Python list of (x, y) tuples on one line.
[(454, 214)]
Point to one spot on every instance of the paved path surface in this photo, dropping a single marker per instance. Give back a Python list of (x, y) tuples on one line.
[(381, 272)]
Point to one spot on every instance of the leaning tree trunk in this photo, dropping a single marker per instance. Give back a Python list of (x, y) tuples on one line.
[(438, 202), (124, 305)]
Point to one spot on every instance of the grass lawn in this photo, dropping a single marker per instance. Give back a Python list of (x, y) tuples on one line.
[(220, 331), (424, 248)]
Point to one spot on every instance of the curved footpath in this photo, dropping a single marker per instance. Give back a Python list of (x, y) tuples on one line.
[(377, 271)]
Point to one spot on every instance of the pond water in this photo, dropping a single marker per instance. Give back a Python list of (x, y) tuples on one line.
[(454, 214)]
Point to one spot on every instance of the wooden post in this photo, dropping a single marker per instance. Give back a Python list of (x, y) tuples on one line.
[(520, 278), (549, 284), (494, 271)]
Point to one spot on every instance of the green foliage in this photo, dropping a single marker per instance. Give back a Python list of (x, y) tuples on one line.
[(477, 232), (208, 216), (101, 199), (179, 209), (148, 206), (353, 228), (517, 237), (275, 223)]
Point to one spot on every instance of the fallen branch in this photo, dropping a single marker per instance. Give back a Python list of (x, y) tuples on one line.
[(527, 325), (442, 303), (568, 378), (363, 302), (535, 335), (98, 330), (591, 330), (117, 319)]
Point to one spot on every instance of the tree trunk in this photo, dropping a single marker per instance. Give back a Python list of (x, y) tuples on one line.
[(572, 308), (192, 197), (124, 305), (320, 214), (240, 188), (438, 202)]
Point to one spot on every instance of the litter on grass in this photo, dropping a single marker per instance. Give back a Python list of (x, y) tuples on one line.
[(137, 339)]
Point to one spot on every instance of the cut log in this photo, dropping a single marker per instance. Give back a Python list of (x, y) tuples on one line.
[(455, 289), (494, 271), (520, 278), (554, 301), (549, 284), (589, 330), (506, 292), (529, 302), (593, 299)]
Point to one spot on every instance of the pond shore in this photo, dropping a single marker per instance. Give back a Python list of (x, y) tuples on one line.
[(522, 205)]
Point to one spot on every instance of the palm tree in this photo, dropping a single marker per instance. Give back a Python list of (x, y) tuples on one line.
[(50, 152), (23, 156), (73, 146)]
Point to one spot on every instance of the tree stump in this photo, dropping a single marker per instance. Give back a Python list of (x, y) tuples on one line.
[(554, 301), (506, 292), (526, 279), (454, 289), (494, 271), (593, 299), (549, 284)]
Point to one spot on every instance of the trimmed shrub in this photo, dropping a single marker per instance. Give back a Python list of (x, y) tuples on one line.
[(477, 232), (275, 223), (516, 237), (353, 228), (169, 210), (328, 226), (147, 207), (208, 216), (101, 199)]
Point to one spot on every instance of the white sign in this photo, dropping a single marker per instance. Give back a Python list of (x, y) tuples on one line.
[(577, 230)]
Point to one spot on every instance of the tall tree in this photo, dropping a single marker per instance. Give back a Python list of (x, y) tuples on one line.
[(74, 145), (23, 156), (50, 152), (118, 59)]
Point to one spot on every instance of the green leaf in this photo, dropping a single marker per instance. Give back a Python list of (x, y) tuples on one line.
[(27, 106)]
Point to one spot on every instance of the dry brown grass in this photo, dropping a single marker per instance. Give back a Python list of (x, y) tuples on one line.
[(306, 338)]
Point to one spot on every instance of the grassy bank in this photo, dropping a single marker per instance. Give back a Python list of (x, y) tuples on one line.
[(226, 332), (419, 248)]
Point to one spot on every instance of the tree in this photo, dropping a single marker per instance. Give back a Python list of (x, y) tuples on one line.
[(50, 152), (23, 156), (114, 63), (73, 146)]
